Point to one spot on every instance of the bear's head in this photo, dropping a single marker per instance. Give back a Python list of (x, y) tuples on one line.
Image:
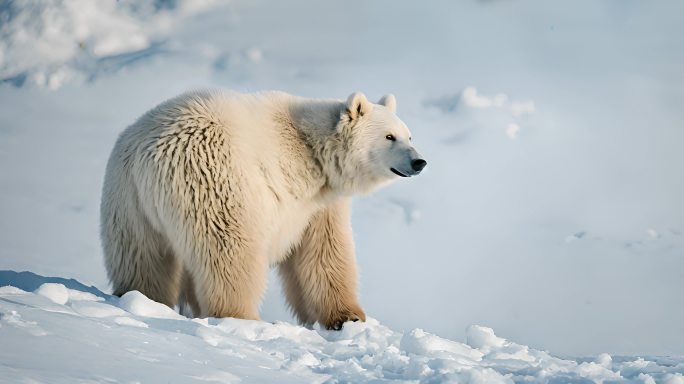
[(377, 145)]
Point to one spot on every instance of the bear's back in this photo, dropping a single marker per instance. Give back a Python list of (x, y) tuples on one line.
[(250, 138), (250, 124)]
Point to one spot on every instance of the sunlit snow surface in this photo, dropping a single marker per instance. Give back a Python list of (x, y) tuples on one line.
[(68, 333)]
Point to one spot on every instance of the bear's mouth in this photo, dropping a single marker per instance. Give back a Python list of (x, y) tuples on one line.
[(398, 173)]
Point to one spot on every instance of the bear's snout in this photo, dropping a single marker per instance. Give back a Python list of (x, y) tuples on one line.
[(418, 165)]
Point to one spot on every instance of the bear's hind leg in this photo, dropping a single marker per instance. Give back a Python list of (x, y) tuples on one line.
[(294, 292), (229, 275), (139, 258), (187, 302)]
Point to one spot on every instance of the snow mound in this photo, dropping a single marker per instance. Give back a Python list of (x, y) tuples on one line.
[(158, 345), (138, 304), (10, 290), (50, 42), (420, 342), (483, 338), (58, 293)]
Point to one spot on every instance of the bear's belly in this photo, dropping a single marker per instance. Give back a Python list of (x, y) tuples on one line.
[(288, 225)]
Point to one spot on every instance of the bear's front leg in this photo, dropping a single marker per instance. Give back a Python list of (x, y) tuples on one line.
[(320, 276)]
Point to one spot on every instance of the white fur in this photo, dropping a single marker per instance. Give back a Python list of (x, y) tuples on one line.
[(390, 102), (208, 189)]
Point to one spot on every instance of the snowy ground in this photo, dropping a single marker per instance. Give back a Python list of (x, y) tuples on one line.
[(65, 332), (550, 209)]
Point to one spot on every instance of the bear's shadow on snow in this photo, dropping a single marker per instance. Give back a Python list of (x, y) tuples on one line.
[(29, 281)]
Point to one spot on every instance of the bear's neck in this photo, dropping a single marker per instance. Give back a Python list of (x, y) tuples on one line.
[(319, 122), (316, 119)]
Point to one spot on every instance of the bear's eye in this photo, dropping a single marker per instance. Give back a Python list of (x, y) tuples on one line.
[(390, 138)]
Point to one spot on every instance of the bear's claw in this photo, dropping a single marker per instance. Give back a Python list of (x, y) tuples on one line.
[(338, 323)]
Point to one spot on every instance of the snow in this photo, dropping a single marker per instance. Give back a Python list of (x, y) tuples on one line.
[(55, 292), (512, 131), (550, 210), (519, 108), (10, 290), (136, 303), (49, 43), (473, 100), (674, 379), (154, 345)]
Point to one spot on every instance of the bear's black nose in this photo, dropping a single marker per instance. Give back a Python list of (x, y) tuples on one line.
[(418, 164)]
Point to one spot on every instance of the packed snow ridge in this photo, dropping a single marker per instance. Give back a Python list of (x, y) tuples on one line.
[(67, 333), (48, 43)]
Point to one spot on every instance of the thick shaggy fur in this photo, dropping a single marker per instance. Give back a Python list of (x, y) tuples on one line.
[(206, 191)]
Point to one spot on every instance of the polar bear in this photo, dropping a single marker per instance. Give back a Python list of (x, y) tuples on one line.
[(209, 189)]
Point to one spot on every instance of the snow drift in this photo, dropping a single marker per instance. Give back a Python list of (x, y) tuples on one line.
[(68, 332)]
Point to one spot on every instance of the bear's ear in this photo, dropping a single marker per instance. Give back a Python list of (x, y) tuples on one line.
[(357, 106), (390, 102)]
